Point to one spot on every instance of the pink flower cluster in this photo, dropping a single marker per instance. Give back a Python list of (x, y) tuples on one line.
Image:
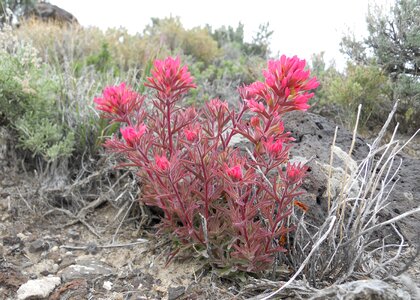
[(286, 87), (118, 101), (232, 204), (169, 78)]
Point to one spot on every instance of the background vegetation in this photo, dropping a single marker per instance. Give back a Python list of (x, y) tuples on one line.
[(381, 68), (48, 65)]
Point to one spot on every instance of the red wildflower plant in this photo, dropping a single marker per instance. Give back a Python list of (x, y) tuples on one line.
[(232, 204)]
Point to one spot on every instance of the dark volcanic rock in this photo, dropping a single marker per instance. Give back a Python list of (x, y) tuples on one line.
[(49, 12), (175, 292), (314, 135), (38, 246)]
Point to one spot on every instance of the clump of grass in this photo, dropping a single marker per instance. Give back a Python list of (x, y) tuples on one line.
[(346, 246)]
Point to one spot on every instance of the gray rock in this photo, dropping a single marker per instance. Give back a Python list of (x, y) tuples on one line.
[(362, 289), (85, 269), (38, 246), (175, 292), (314, 135), (38, 288)]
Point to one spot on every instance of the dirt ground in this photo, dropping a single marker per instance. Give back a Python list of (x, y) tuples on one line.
[(128, 265)]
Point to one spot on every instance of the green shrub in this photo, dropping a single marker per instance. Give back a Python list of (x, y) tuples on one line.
[(27, 98), (366, 85)]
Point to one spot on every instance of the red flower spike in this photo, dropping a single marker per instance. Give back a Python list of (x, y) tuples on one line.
[(255, 122), (132, 135), (235, 172), (191, 135), (169, 78), (295, 172), (162, 162), (273, 147), (286, 85), (255, 106), (117, 101)]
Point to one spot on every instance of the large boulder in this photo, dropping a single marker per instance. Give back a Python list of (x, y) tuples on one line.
[(49, 12), (314, 135)]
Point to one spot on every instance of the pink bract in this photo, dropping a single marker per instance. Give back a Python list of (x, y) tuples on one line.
[(170, 78)]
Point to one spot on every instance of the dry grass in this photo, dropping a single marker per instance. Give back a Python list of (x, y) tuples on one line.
[(58, 44), (346, 246)]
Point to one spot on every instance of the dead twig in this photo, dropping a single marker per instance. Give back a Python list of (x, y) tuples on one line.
[(138, 241)]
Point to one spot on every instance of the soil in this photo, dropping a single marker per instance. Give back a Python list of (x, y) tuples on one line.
[(134, 267)]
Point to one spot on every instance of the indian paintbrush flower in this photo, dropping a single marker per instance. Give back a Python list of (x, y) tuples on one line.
[(216, 197)]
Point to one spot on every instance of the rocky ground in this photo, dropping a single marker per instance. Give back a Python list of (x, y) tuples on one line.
[(45, 258), (50, 257)]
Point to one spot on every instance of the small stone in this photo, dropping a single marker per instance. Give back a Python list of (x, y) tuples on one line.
[(73, 234), (54, 249), (7, 182), (175, 292), (107, 285), (68, 253), (67, 261), (33, 276), (92, 248), (38, 288), (5, 217), (55, 268), (22, 236), (38, 245), (85, 269), (11, 240)]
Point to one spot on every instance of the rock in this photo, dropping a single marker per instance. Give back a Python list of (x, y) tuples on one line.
[(11, 241), (314, 135), (22, 236), (362, 289), (38, 246), (107, 285), (67, 261), (73, 234), (44, 267), (175, 292), (5, 217), (11, 277), (38, 288), (85, 269), (49, 12)]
